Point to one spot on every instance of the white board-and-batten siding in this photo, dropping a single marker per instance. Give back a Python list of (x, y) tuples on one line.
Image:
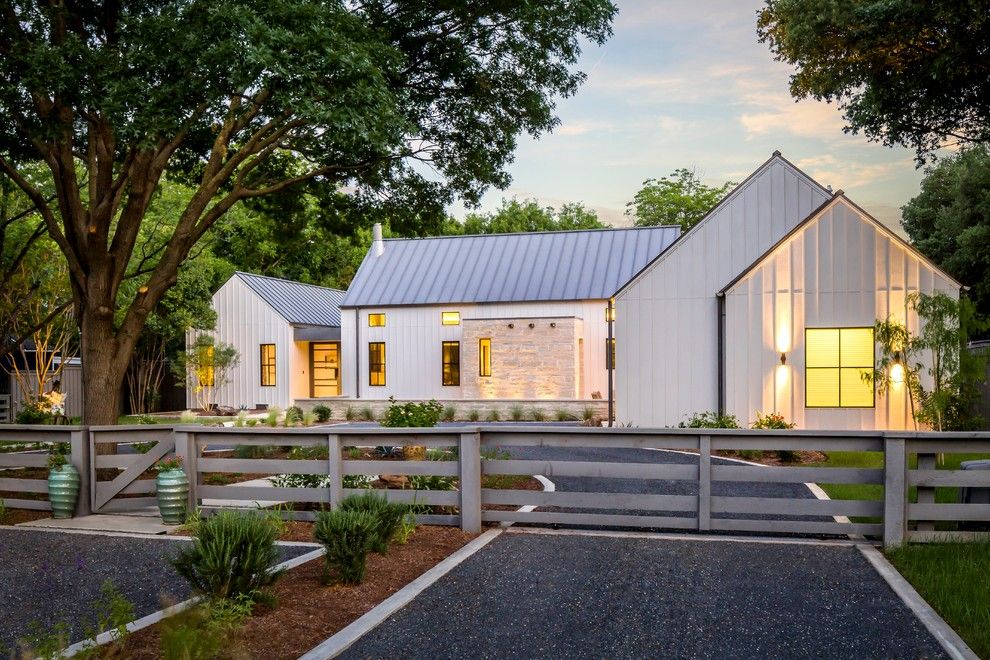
[(413, 337), (839, 270), (666, 317)]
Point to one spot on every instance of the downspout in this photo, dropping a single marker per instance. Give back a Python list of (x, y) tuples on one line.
[(610, 315), (357, 352), (721, 353)]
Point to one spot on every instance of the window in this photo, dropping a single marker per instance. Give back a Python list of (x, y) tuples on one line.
[(485, 357), (376, 363), (450, 318), (610, 354), (834, 364), (451, 363), (268, 365), (376, 320)]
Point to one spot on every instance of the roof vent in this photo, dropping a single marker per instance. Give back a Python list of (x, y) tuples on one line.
[(377, 244)]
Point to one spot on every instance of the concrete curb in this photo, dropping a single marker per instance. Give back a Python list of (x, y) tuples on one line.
[(681, 536), (943, 633), (347, 636)]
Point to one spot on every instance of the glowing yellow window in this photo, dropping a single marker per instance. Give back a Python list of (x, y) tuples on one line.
[(835, 361), (485, 357), (204, 370), (450, 318), (376, 320), (268, 365)]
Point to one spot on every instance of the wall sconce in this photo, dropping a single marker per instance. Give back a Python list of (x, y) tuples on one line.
[(783, 358), (897, 373), (532, 325), (553, 325), (512, 325)]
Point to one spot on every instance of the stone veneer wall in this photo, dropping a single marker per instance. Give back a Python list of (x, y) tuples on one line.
[(538, 362), (551, 409)]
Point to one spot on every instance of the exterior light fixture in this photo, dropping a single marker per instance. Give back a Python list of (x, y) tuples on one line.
[(532, 325), (553, 325), (512, 325), (783, 358), (897, 373)]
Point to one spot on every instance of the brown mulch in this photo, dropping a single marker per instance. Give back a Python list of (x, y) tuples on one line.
[(18, 516), (309, 612)]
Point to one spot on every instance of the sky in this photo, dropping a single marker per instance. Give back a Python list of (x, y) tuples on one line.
[(686, 84)]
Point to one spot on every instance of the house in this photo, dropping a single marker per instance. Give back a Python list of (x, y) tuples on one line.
[(768, 304), (518, 317), (287, 335)]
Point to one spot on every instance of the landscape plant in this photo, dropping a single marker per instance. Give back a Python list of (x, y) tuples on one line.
[(474, 415), (347, 537), (493, 415), (271, 417), (412, 414), (204, 367), (368, 414), (565, 415), (449, 413), (349, 414), (388, 516), (516, 413), (322, 412), (293, 416), (771, 421), (537, 414), (710, 420)]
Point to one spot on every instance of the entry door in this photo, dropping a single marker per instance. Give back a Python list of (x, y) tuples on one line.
[(324, 369)]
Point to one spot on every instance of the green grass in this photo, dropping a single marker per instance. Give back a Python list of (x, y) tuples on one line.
[(952, 577)]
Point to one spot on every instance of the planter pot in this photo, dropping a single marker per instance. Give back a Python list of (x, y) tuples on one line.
[(173, 495), (63, 490)]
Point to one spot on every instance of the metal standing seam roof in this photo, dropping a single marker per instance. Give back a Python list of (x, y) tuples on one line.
[(305, 304), (489, 268)]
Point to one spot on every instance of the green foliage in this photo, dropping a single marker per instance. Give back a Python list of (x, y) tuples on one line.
[(368, 414), (322, 412), (112, 612), (204, 367), (406, 529), (538, 414), (254, 451), (680, 199), (896, 77), (188, 417), (172, 462), (474, 415), (449, 413), (771, 420), (494, 415), (527, 216), (56, 457), (46, 643), (3, 510), (431, 482), (349, 414), (293, 416), (234, 553), (588, 414), (710, 420), (565, 415), (411, 414), (949, 220), (347, 536), (196, 635), (388, 516), (271, 417), (516, 413), (33, 411)]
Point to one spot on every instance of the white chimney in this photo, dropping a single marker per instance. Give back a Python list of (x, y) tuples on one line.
[(377, 244)]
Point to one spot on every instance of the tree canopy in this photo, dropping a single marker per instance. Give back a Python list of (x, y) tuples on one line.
[(515, 216), (362, 95), (902, 71), (680, 199)]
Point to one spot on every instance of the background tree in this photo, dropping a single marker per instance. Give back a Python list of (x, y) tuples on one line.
[(949, 220), (902, 71), (204, 367), (515, 216), (109, 96), (680, 199)]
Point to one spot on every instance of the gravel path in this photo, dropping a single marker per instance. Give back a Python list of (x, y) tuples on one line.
[(51, 577), (554, 596)]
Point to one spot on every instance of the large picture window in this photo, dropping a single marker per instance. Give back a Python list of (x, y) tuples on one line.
[(485, 357), (834, 364), (268, 365), (451, 363), (376, 363)]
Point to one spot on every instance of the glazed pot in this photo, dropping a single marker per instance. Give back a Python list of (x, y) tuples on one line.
[(173, 495), (63, 490)]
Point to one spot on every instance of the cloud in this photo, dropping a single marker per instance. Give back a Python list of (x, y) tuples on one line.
[(778, 113)]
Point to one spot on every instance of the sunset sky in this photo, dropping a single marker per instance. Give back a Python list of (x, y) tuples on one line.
[(686, 84)]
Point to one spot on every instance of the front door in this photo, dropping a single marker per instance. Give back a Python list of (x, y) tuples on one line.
[(324, 369)]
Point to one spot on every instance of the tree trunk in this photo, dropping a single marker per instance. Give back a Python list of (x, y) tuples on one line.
[(104, 366)]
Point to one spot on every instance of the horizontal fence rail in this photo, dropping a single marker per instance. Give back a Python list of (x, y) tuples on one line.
[(913, 488)]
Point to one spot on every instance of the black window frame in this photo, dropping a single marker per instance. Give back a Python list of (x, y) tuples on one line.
[(373, 363), (454, 365), (265, 366)]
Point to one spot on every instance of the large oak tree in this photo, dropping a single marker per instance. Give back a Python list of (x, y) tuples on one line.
[(390, 99)]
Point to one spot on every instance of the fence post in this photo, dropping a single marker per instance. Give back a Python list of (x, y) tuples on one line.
[(80, 455), (469, 458), (704, 483), (335, 471), (185, 448), (894, 491)]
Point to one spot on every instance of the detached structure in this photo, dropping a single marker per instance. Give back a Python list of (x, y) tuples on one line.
[(287, 335), (489, 317), (768, 304)]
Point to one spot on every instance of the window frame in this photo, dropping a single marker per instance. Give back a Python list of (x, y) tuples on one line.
[(376, 316), (452, 314), (839, 367), (372, 372), (444, 363), (265, 366), (485, 357)]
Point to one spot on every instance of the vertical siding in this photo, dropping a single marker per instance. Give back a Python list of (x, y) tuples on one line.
[(839, 270), (666, 362), (72, 386)]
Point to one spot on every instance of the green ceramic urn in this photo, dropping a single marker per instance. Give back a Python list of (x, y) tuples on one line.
[(173, 495), (63, 490)]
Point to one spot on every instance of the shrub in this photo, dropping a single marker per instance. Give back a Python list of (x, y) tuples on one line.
[(516, 413), (234, 553), (253, 451), (271, 418), (588, 414), (538, 415), (34, 411), (565, 416), (710, 420), (322, 412), (241, 419), (293, 415), (449, 413), (349, 414), (429, 482), (188, 417), (368, 414), (771, 421), (308, 418), (411, 414), (493, 415), (388, 516), (474, 415), (406, 529), (252, 422), (348, 537)]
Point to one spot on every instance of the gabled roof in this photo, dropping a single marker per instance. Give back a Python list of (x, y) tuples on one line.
[(489, 268), (297, 303)]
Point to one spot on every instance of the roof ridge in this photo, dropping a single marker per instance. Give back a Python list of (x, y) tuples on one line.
[(287, 281), (528, 233)]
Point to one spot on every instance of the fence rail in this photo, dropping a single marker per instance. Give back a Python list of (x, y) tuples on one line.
[(905, 494)]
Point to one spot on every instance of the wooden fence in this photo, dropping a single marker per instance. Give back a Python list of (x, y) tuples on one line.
[(24, 462), (901, 495)]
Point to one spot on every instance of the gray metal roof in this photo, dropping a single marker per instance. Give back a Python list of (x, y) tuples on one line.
[(542, 266), (296, 302)]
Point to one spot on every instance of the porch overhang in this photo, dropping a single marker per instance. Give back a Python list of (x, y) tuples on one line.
[(315, 332)]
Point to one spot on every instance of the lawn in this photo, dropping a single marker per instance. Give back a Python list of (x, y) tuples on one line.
[(952, 577)]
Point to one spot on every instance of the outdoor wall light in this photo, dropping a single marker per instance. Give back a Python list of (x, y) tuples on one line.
[(783, 358), (532, 325), (512, 325), (553, 325), (897, 373)]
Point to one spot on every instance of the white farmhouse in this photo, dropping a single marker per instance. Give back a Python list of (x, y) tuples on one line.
[(490, 317), (768, 304)]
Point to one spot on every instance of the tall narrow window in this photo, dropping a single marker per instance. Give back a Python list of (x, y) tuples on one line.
[(485, 357), (451, 363), (376, 320), (834, 363), (268, 365), (376, 363), (610, 353), (450, 318)]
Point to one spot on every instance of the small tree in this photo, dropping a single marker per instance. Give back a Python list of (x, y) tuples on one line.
[(204, 366), (680, 199)]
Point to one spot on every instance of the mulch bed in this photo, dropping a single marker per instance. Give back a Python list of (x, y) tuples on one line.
[(18, 516), (309, 612)]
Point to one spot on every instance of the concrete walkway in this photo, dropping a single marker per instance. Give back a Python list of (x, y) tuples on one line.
[(533, 594)]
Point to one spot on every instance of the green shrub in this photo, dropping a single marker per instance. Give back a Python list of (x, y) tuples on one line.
[(354, 453), (588, 414), (349, 414), (565, 415), (254, 451), (516, 413), (322, 412), (368, 414), (271, 418), (474, 415), (293, 415), (710, 420), (388, 516), (538, 415), (429, 482), (34, 411), (234, 553), (493, 415), (411, 414), (771, 421), (348, 537), (406, 529), (241, 420), (449, 413), (252, 422)]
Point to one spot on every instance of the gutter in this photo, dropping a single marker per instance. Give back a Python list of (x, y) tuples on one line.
[(720, 321)]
